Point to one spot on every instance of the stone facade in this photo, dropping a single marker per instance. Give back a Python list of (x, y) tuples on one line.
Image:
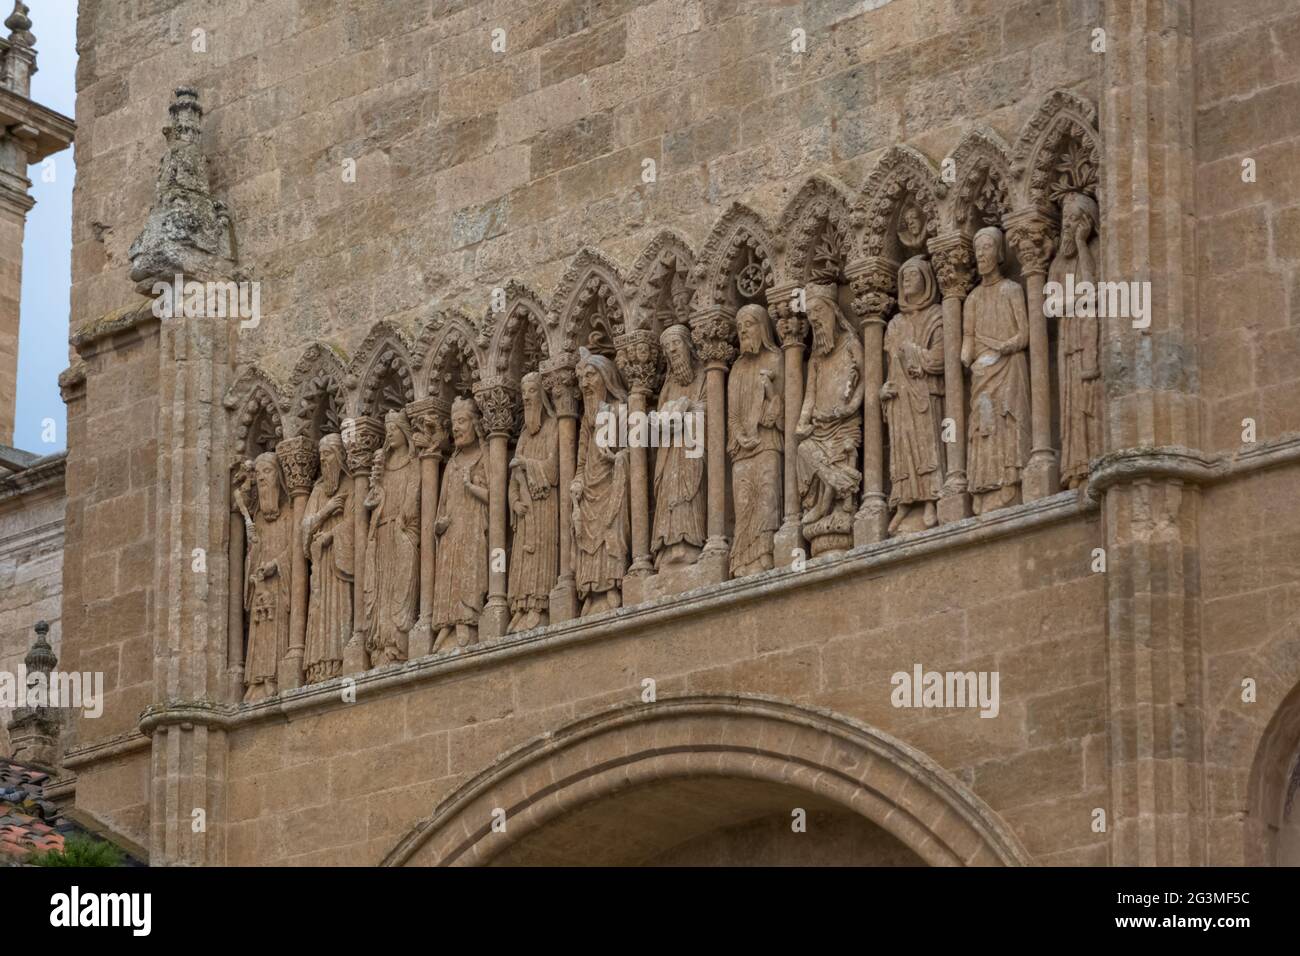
[(834, 230)]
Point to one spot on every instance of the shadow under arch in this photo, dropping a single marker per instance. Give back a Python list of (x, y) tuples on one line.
[(838, 761)]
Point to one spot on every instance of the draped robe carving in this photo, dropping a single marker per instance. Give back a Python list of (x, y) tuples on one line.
[(461, 585), (755, 423), (534, 510), (328, 544), (995, 334), (680, 498), (912, 398), (266, 590), (392, 581)]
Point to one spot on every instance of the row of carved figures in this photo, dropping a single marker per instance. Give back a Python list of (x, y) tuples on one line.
[(414, 533)]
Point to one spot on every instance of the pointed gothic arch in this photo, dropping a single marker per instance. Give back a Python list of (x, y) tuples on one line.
[(819, 232), (661, 283), (447, 355), (1058, 151), (588, 305), (257, 403), (982, 195), (904, 180), (737, 263), (383, 370), (318, 391), (521, 339)]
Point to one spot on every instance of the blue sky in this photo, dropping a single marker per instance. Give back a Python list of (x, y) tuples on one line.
[(47, 246)]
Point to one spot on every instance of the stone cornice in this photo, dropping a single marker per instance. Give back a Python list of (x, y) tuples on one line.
[(43, 131), (104, 749), (91, 338), (43, 473), (870, 559), (1177, 463)]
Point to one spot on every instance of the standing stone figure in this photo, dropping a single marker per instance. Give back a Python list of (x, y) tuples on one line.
[(912, 398), (461, 585), (599, 491), (327, 542), (392, 591), (995, 334), (266, 590), (680, 496), (1078, 340), (755, 410), (534, 509), (830, 424)]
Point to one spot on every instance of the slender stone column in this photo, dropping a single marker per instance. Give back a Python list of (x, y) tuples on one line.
[(638, 362), (1032, 234), (873, 284), (714, 334), (954, 267), (361, 437), (562, 383), (236, 545), (792, 329), (498, 401), (299, 460), (429, 430)]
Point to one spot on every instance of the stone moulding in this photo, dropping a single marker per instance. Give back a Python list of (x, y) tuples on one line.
[(1186, 464), (849, 762), (892, 551)]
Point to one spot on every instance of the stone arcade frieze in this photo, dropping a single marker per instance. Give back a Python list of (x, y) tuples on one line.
[(876, 364)]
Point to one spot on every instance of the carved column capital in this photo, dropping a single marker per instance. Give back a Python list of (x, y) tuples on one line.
[(791, 326), (561, 381), (298, 459), (1033, 235), (361, 436), (714, 334), (498, 403), (953, 257), (873, 281), (430, 426), (637, 358)]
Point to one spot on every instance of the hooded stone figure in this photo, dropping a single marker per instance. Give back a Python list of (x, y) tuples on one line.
[(266, 588), (995, 335), (599, 490), (912, 398), (327, 541), (1078, 340), (755, 420), (392, 580)]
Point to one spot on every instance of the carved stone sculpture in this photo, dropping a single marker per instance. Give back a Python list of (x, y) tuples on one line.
[(912, 398), (755, 422), (461, 586), (830, 425), (599, 491), (534, 509), (995, 334), (1078, 340), (680, 496), (327, 535), (266, 588), (392, 580)]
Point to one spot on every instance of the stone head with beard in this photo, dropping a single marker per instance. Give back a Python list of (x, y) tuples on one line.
[(331, 462), (679, 352), (537, 404), (271, 489), (466, 426), (1079, 217), (754, 329), (599, 380), (825, 317)]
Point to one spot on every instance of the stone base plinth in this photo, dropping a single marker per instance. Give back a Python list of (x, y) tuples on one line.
[(710, 568), (787, 544), (564, 602), (871, 523), (1042, 475), (355, 658)]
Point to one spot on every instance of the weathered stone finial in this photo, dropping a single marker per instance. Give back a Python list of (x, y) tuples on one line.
[(41, 657), (20, 25), (188, 230), (34, 729)]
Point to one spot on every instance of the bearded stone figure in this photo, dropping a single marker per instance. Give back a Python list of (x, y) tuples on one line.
[(1078, 341), (392, 590), (460, 588), (599, 491), (266, 589), (534, 509), (995, 334), (755, 410), (830, 425), (912, 399), (680, 497), (327, 541)]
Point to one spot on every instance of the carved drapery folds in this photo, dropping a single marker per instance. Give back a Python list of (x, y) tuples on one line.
[(875, 364)]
